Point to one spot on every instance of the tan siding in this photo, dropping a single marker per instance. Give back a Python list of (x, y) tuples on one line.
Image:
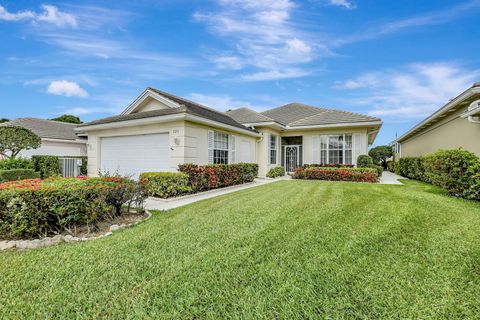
[(450, 133)]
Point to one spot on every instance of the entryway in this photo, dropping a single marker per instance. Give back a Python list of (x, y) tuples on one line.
[(292, 153)]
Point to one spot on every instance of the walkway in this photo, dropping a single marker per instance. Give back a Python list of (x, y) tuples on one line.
[(166, 204), (390, 178)]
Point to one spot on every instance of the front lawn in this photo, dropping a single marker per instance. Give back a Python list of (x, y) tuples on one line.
[(290, 249)]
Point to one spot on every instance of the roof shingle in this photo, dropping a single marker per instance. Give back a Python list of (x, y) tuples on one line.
[(246, 115), (46, 128)]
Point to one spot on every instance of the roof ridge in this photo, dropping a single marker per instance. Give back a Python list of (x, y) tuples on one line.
[(290, 104)]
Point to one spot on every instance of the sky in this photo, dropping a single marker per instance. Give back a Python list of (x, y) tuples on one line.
[(397, 60)]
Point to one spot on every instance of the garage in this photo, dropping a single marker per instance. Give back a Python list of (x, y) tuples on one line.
[(132, 155)]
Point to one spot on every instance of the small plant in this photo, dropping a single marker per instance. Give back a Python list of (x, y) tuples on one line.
[(276, 172)]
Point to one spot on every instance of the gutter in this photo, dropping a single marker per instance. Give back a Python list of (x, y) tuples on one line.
[(337, 125)]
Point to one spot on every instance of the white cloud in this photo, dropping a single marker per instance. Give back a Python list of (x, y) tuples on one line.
[(414, 91), (275, 75), (66, 88), (342, 3), (262, 34), (49, 14), (228, 62)]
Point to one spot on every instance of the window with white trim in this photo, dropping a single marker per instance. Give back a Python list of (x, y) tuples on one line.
[(220, 148), (273, 149), (336, 149)]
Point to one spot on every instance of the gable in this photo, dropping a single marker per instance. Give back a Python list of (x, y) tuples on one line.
[(150, 104), (150, 101)]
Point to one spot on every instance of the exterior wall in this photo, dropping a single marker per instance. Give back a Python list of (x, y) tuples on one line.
[(57, 148), (176, 132), (450, 133), (196, 143), (263, 151)]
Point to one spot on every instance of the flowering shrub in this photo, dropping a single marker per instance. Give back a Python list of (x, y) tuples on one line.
[(328, 165), (36, 207), (206, 177), (337, 174), (165, 184)]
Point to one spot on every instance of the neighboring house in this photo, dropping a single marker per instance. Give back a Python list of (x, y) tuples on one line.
[(159, 131), (58, 138), (455, 125)]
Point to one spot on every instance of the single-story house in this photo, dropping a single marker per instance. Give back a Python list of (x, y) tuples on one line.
[(455, 125), (58, 138), (159, 131)]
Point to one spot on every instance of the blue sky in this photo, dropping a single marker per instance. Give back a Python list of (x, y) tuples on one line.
[(398, 60)]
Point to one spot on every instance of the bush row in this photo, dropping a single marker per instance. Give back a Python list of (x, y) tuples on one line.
[(337, 174), (17, 174), (457, 171), (276, 172), (165, 184), (36, 208)]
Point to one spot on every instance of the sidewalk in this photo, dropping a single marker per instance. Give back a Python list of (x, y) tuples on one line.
[(390, 178), (166, 204)]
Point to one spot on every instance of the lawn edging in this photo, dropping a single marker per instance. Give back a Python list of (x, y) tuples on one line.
[(51, 241)]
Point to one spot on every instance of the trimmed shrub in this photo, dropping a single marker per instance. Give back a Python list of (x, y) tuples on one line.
[(47, 166), (165, 184), (412, 168), (329, 165), (391, 166), (337, 174), (206, 177), (37, 208), (452, 170), (377, 168), (473, 192), (276, 172), (16, 163), (364, 161), (17, 174)]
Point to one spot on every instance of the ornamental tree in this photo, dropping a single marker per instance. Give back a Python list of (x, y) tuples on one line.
[(68, 118), (15, 139), (380, 154)]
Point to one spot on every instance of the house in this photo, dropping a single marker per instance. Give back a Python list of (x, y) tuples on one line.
[(58, 138), (455, 125), (159, 131)]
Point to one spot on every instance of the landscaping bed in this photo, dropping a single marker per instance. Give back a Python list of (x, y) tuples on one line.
[(38, 208), (311, 172)]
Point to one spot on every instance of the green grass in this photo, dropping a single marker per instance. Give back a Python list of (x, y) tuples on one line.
[(289, 250)]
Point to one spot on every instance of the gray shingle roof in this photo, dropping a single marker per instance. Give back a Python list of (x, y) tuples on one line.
[(46, 128), (299, 114), (246, 115), (187, 106)]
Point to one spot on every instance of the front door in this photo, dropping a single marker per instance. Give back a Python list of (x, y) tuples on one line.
[(292, 157)]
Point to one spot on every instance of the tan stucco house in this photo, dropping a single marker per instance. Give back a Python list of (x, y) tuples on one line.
[(455, 125), (159, 131), (58, 138)]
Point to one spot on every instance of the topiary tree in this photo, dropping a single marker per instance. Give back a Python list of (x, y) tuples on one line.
[(381, 154), (68, 118), (364, 161), (15, 139)]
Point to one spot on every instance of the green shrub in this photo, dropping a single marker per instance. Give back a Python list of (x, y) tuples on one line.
[(473, 191), (377, 168), (206, 177), (165, 184), (37, 208), (364, 161), (328, 165), (391, 166), (452, 170), (337, 174), (276, 172), (16, 163), (17, 174), (47, 166), (412, 168)]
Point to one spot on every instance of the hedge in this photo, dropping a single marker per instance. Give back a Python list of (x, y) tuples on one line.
[(364, 161), (50, 166), (16, 163), (206, 177), (165, 184), (276, 172), (457, 171), (17, 174), (328, 165), (337, 174), (36, 208)]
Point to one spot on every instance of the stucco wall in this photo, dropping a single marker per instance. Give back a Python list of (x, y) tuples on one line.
[(449, 133), (55, 148), (263, 151)]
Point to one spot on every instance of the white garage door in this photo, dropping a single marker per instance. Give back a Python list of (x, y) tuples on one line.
[(132, 155)]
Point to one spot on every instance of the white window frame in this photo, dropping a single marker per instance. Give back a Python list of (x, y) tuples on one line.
[(325, 147), (274, 139), (216, 147)]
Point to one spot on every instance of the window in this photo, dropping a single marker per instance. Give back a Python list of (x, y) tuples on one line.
[(220, 148), (273, 149), (398, 147), (336, 149)]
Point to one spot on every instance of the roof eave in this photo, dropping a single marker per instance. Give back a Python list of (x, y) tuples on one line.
[(338, 125)]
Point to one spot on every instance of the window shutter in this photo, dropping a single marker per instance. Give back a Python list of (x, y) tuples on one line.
[(267, 142), (231, 144), (210, 146), (278, 150), (357, 147), (316, 150)]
